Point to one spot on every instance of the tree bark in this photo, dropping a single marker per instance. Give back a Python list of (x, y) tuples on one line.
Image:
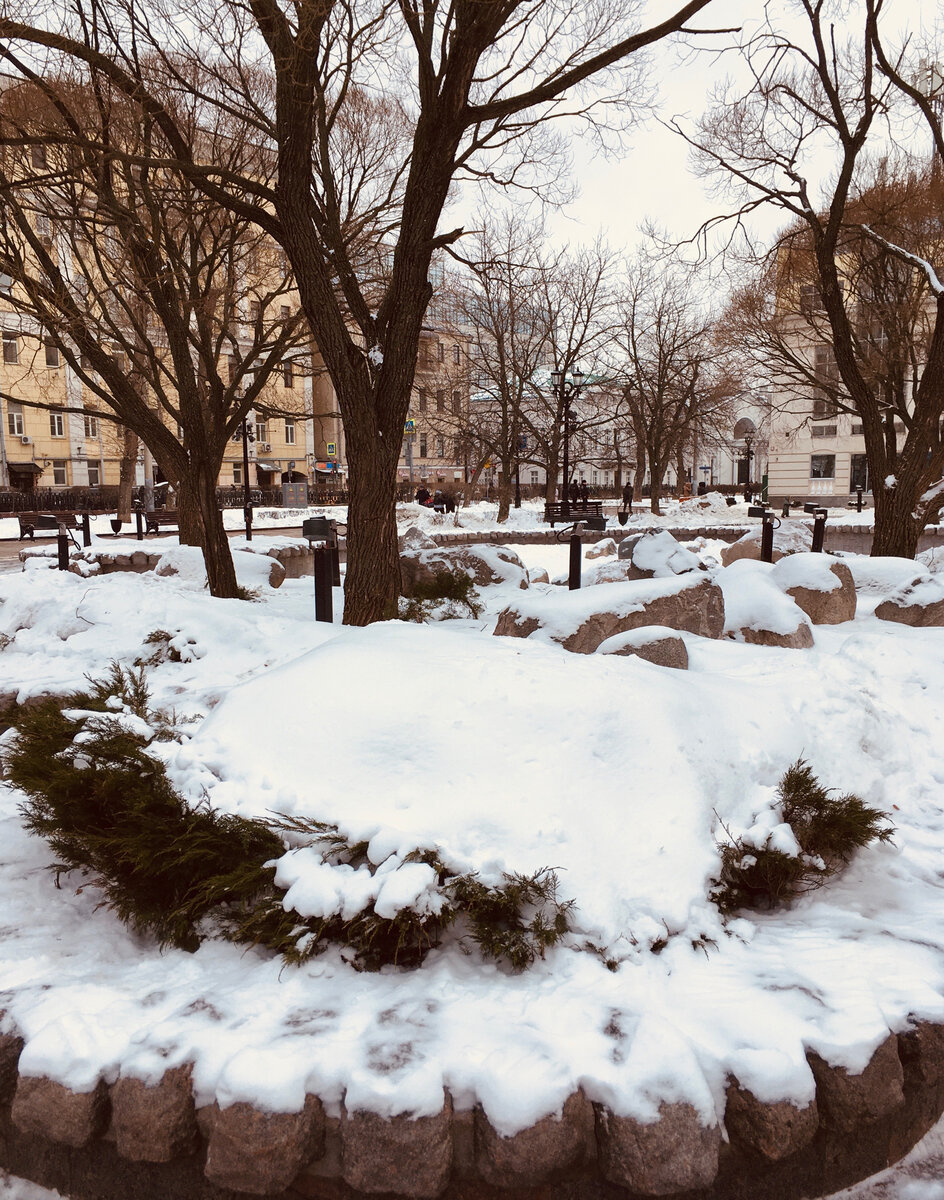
[(504, 496), (372, 580), (129, 461)]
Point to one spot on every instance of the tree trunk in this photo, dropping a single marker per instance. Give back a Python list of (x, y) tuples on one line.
[(639, 478), (372, 580), (896, 529), (221, 574), (656, 471), (504, 496), (129, 462)]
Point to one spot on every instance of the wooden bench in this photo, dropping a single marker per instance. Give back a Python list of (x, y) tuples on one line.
[(590, 512), (31, 521), (160, 519)]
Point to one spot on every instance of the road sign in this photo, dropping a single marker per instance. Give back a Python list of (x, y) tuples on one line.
[(332, 449), (409, 426)]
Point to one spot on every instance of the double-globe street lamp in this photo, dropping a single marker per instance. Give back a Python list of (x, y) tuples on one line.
[(246, 434), (567, 389)]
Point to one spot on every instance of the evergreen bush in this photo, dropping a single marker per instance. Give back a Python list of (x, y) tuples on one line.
[(445, 595), (828, 829), (179, 871)]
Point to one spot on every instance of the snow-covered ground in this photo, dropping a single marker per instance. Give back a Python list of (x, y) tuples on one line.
[(506, 755)]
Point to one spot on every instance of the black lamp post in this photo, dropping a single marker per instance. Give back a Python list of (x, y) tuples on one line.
[(567, 390), (246, 434)]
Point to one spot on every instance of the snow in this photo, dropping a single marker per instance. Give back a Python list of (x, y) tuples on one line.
[(503, 755), (754, 599)]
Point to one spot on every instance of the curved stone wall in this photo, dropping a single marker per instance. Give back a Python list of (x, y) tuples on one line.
[(133, 1142)]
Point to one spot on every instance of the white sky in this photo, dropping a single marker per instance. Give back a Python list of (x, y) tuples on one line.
[(652, 180)]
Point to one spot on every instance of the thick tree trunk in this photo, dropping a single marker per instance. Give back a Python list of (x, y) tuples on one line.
[(201, 524), (656, 471), (129, 462), (189, 518), (372, 580), (896, 529)]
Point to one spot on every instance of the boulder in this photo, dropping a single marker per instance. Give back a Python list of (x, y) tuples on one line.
[(415, 538), (655, 643), (538, 575), (757, 611), (658, 555), (607, 572), (773, 1130), (921, 1050), (156, 1123), (822, 587), (675, 1153), (11, 1047), (792, 537), (402, 1156), (846, 1101), (885, 574), (553, 1144), (605, 548), (260, 1152), (44, 1107), (582, 619), (919, 604), (484, 564)]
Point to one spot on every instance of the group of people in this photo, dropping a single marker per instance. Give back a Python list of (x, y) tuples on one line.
[(440, 501), (578, 493)]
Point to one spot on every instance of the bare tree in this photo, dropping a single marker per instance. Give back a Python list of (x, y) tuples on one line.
[(477, 84), (804, 138), (677, 386), (171, 312)]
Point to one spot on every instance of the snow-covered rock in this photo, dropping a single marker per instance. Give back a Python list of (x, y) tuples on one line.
[(790, 537), (485, 564), (655, 643), (822, 586), (757, 611), (920, 603), (605, 548), (580, 620)]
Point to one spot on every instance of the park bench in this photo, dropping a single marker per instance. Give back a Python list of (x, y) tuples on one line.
[(590, 512), (31, 521), (160, 519)]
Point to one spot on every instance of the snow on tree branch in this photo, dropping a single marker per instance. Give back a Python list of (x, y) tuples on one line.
[(916, 261)]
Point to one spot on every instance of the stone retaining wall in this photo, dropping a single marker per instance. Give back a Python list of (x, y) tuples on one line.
[(133, 1142), (296, 561)]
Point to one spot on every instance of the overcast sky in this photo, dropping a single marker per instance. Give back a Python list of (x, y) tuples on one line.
[(653, 179)]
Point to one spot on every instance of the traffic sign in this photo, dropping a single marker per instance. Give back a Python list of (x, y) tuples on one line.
[(409, 425), (332, 450)]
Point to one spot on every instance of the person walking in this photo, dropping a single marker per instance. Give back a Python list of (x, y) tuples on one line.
[(422, 494), (628, 494), (573, 491), (584, 492)]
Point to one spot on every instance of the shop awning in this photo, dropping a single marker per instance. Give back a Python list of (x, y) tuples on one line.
[(265, 464), (26, 466)]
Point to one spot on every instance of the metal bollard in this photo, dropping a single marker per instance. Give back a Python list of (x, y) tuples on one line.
[(785, 511), (573, 581), (767, 538), (335, 558), (859, 491), (819, 531), (139, 525), (62, 545), (86, 530), (324, 606)]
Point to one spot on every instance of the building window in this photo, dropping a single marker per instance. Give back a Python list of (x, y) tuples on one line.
[(91, 426), (237, 473), (11, 348), (456, 354), (94, 474), (456, 404), (38, 157), (285, 312), (440, 447), (859, 473), (60, 468), (823, 466), (255, 311), (6, 283), (288, 377), (824, 431), (15, 419), (440, 352), (534, 478), (262, 431), (289, 432), (440, 400), (57, 424), (52, 352), (422, 445), (811, 298), (422, 400)]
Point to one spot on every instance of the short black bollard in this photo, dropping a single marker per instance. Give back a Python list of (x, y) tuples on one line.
[(247, 517), (767, 539), (785, 511), (324, 606), (859, 491), (62, 545), (86, 530), (819, 531), (576, 550), (139, 525)]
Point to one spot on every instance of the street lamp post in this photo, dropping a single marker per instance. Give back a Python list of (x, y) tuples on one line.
[(567, 390), (246, 434)]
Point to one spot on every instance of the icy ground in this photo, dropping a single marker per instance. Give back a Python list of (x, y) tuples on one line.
[(506, 755)]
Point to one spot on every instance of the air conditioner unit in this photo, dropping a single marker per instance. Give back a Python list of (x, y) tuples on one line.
[(25, 439), (265, 447)]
